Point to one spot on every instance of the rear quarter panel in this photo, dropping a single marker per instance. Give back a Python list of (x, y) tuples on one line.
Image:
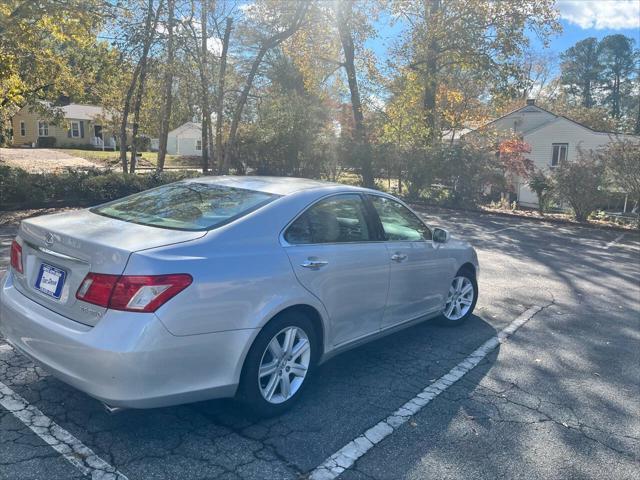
[(242, 276)]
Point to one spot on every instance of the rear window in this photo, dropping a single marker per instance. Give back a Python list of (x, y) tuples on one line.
[(186, 206)]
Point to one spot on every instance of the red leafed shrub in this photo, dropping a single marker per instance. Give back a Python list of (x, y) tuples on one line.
[(513, 157)]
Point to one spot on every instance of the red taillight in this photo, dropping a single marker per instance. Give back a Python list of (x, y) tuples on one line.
[(96, 288), (16, 257), (133, 293)]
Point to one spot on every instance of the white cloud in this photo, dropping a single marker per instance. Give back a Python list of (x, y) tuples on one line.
[(601, 14)]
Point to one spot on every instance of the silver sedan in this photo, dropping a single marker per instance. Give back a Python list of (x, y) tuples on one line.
[(224, 286)]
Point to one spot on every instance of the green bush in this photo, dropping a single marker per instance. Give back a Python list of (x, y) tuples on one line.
[(581, 183), (20, 189), (46, 142)]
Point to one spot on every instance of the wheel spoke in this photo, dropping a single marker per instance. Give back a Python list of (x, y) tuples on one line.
[(300, 349), (285, 386), (268, 368), (275, 348), (466, 290), (298, 370), (464, 301), (289, 339), (459, 282), (450, 309), (457, 309), (270, 389)]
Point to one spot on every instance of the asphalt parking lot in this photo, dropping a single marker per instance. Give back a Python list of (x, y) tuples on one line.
[(559, 398)]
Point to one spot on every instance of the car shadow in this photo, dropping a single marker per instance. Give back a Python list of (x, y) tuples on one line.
[(347, 395)]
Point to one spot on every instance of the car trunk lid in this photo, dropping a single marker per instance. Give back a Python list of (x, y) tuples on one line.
[(59, 250)]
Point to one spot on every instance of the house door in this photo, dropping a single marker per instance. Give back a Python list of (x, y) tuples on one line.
[(97, 131)]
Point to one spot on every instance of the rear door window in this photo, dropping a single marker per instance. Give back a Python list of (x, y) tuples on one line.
[(398, 222), (186, 206), (337, 219)]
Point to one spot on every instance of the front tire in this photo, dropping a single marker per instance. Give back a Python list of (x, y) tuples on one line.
[(278, 365), (461, 299)]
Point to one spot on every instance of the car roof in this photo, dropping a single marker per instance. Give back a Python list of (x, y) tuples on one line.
[(273, 185)]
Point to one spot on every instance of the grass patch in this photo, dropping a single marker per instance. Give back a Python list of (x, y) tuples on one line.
[(149, 159)]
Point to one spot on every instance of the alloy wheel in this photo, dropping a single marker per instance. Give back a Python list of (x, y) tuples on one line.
[(284, 365), (460, 298)]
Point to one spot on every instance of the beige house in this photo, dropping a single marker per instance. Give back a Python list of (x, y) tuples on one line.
[(81, 126)]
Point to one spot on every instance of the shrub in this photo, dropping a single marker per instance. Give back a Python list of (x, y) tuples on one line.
[(46, 142), (542, 185), (581, 183), (622, 162), (20, 189), (468, 170)]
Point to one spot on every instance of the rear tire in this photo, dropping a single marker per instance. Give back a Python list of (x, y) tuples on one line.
[(461, 300), (279, 364)]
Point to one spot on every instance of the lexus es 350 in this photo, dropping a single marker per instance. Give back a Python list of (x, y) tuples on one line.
[(224, 286)]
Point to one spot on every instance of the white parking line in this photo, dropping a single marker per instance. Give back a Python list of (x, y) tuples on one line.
[(613, 242), (344, 458), (72, 449), (506, 228)]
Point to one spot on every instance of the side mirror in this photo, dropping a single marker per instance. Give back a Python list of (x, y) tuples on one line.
[(440, 235)]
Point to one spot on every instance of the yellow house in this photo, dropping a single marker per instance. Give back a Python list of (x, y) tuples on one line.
[(81, 126)]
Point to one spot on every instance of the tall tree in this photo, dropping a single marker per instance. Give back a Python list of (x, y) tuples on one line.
[(582, 70), (204, 84), (483, 37), (220, 95), (149, 36), (168, 85), (136, 38), (272, 22), (331, 51), (45, 46), (344, 18), (617, 57)]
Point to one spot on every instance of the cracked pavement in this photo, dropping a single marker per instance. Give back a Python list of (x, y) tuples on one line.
[(559, 399)]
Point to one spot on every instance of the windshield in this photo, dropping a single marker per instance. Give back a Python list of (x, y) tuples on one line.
[(186, 206)]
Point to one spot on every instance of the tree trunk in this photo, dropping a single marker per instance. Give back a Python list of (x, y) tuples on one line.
[(223, 167), (432, 8), (272, 42), (637, 129), (587, 99), (149, 33), (168, 88), (616, 97), (343, 17), (204, 85), (125, 118)]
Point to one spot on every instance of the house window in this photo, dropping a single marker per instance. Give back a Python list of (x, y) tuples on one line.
[(198, 144), (75, 129), (23, 129), (43, 129), (559, 154)]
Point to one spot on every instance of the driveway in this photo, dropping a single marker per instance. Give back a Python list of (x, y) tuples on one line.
[(36, 160), (556, 398)]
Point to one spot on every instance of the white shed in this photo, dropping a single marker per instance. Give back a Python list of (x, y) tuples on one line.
[(185, 140), (553, 139)]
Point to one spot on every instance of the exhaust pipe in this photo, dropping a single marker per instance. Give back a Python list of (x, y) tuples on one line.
[(112, 410)]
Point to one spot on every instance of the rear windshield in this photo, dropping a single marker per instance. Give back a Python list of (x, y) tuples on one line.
[(186, 206)]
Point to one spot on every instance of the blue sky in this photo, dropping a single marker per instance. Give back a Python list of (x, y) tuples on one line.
[(580, 19)]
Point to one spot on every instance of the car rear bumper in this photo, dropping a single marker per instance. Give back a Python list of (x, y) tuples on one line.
[(128, 359)]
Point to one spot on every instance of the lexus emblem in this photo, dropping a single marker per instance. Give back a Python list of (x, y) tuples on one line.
[(48, 238)]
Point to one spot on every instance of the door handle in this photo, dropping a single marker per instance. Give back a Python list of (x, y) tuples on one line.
[(398, 257), (314, 264)]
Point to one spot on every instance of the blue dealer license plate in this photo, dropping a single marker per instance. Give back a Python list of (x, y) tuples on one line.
[(50, 280)]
